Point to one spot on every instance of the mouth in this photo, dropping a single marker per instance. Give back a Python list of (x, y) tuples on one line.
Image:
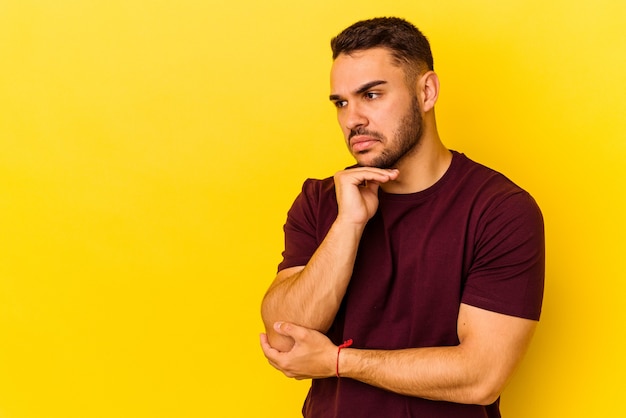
[(361, 144)]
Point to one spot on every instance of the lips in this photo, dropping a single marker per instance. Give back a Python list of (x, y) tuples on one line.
[(362, 143)]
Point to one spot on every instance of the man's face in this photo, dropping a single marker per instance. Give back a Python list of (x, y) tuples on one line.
[(378, 112)]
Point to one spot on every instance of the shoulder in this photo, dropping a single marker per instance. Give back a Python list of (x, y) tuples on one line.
[(316, 194), (318, 187), (315, 204), (308, 221), (492, 190), (482, 176)]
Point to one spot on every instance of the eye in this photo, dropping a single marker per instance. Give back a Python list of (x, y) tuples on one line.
[(370, 95), (340, 103)]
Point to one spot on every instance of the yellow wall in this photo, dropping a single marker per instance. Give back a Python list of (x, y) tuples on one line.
[(149, 151)]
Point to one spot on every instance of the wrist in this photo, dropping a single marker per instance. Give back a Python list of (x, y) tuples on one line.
[(348, 227), (341, 347)]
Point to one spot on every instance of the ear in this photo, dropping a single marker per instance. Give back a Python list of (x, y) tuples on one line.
[(429, 90)]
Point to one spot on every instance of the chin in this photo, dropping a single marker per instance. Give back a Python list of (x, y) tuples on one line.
[(366, 159), (376, 162), (365, 162)]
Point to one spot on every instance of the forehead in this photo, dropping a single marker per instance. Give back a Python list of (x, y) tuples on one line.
[(359, 67)]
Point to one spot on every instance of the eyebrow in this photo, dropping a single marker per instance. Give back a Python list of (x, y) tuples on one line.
[(365, 87)]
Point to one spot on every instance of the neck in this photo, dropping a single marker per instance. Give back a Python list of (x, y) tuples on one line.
[(422, 168)]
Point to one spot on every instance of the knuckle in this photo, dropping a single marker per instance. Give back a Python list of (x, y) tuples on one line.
[(288, 372)]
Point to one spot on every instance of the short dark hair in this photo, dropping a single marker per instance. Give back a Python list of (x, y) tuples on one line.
[(406, 43)]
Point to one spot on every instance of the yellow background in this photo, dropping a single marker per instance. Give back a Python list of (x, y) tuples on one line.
[(149, 151)]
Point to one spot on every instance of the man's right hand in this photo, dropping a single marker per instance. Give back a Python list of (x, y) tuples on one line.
[(357, 192)]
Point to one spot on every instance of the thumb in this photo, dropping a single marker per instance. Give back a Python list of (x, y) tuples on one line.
[(289, 329)]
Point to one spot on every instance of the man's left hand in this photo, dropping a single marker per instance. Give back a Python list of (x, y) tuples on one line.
[(313, 355)]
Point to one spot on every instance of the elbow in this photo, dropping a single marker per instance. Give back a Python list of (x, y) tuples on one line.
[(279, 342), (486, 398), (486, 392), (268, 323), (268, 314), (485, 380)]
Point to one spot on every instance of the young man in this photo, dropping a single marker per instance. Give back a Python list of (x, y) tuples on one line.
[(432, 264)]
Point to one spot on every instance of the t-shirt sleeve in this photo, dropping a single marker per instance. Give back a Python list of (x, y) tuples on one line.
[(301, 228), (508, 268)]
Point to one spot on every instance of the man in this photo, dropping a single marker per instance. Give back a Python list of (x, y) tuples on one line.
[(431, 264)]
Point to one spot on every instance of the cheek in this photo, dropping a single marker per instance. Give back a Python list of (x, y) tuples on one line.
[(392, 118), (385, 123), (342, 126)]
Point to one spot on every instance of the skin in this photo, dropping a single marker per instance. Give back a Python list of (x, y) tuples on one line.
[(374, 102)]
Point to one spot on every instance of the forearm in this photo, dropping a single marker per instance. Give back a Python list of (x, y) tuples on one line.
[(312, 296), (438, 373), (475, 371)]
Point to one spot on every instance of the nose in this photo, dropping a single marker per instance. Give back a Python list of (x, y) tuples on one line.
[(353, 117)]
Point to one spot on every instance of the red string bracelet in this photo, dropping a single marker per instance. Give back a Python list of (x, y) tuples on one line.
[(345, 344)]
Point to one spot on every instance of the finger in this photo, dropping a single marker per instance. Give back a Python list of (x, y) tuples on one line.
[(290, 330), (373, 170), (360, 175), (271, 354), (269, 351), (372, 186)]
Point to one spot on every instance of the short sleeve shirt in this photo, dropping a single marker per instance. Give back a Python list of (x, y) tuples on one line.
[(474, 237)]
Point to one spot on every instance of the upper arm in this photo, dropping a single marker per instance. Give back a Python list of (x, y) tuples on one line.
[(495, 344), (503, 293), (507, 268)]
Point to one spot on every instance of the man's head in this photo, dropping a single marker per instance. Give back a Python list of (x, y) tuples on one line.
[(408, 46), (384, 89)]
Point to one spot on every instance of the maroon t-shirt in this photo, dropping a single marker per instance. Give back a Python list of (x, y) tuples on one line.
[(474, 237)]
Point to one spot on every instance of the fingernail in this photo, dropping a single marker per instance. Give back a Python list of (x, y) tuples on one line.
[(277, 325)]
